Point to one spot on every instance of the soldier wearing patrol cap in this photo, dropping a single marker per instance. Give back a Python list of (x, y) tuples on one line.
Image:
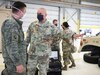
[(56, 39)]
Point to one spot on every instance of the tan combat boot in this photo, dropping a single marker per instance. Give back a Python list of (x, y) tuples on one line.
[(73, 65), (65, 67)]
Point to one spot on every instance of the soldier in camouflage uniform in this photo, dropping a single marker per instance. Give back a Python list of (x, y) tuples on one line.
[(56, 39), (13, 44), (39, 35), (68, 36), (55, 22)]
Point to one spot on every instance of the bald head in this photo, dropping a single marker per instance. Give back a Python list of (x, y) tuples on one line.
[(43, 13)]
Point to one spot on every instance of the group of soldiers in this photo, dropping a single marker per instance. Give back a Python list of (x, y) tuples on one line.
[(40, 36)]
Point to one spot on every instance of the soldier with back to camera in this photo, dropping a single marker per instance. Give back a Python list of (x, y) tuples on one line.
[(67, 43)]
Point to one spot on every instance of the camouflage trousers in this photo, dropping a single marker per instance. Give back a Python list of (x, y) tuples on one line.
[(35, 61), (67, 57), (11, 69)]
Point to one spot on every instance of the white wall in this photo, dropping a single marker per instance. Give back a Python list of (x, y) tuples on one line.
[(90, 19)]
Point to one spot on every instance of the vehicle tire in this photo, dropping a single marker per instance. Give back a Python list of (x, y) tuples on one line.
[(91, 59), (96, 51), (99, 62), (88, 48)]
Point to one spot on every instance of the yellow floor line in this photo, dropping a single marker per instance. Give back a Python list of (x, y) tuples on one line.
[(1, 65)]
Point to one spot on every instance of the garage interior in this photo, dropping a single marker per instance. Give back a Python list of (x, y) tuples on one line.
[(83, 16)]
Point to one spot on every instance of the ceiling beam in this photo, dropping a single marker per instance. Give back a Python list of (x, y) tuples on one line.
[(62, 4), (92, 1)]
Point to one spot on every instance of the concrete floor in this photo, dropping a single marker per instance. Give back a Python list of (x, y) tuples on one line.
[(82, 68)]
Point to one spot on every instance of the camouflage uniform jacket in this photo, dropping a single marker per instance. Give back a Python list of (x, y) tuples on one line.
[(40, 36), (56, 40), (13, 44), (67, 35)]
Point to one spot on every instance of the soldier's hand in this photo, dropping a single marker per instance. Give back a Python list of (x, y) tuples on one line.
[(20, 68)]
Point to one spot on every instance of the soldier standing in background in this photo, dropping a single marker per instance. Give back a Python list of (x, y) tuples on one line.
[(13, 44), (56, 39), (39, 35), (55, 22), (67, 37)]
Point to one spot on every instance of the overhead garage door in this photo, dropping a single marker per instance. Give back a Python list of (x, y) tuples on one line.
[(71, 16), (31, 14), (90, 21)]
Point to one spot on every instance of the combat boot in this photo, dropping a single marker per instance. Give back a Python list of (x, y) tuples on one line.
[(65, 67), (73, 65)]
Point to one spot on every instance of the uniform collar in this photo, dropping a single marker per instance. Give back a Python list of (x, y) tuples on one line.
[(45, 23), (18, 21)]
